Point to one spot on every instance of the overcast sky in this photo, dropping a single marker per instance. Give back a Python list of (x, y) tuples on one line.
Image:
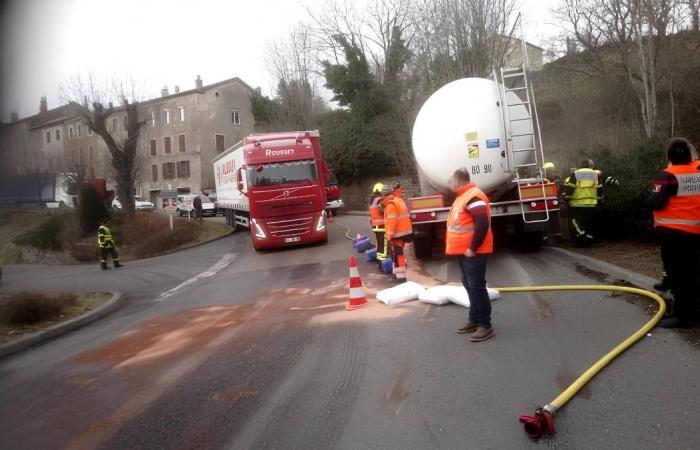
[(156, 42)]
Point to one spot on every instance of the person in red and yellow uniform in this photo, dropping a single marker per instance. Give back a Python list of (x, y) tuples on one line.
[(470, 238), (675, 200), (397, 228)]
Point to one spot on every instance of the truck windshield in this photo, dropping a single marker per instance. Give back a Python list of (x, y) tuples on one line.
[(282, 173)]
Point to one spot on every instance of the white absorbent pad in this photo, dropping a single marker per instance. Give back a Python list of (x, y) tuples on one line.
[(404, 292)]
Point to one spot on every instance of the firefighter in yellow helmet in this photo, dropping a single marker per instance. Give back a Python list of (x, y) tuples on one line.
[(106, 243), (376, 217), (583, 191)]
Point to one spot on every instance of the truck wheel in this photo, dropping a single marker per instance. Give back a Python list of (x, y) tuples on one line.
[(423, 248)]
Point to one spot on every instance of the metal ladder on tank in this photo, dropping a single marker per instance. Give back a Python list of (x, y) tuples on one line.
[(515, 80)]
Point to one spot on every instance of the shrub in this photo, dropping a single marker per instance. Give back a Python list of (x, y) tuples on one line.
[(28, 307), (622, 212), (149, 234), (46, 236), (91, 209)]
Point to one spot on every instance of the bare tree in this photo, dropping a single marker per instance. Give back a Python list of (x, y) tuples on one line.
[(625, 36), (96, 100), (292, 61)]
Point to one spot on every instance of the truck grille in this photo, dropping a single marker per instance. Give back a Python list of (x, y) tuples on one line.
[(290, 228)]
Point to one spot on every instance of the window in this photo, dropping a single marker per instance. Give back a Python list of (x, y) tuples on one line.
[(82, 157), (89, 131), (48, 137), (236, 117), (90, 154), (154, 172), (168, 171), (70, 133), (220, 147), (114, 124), (164, 117), (126, 122), (181, 143), (80, 130), (58, 135), (166, 144), (183, 169), (216, 94), (153, 147), (181, 113), (153, 119), (300, 171)]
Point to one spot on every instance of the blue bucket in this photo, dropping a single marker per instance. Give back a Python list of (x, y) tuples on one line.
[(387, 266), (363, 245), (356, 240), (371, 255)]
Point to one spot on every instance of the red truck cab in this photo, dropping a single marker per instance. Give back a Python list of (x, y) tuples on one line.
[(279, 191)]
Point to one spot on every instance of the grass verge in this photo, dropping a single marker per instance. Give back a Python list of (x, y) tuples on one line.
[(28, 312)]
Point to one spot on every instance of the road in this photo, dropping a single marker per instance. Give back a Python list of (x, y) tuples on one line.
[(222, 347)]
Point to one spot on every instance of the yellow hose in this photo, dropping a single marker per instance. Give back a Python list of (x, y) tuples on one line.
[(592, 371)]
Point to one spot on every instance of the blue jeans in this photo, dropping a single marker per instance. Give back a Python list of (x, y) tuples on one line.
[(474, 281)]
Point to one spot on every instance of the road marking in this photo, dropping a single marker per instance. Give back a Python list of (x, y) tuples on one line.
[(210, 272)]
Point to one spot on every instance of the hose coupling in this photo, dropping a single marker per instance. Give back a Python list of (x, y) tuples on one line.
[(542, 422)]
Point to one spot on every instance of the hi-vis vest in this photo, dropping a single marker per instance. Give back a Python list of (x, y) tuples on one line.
[(460, 224), (586, 191), (682, 211), (397, 220), (104, 237), (376, 217)]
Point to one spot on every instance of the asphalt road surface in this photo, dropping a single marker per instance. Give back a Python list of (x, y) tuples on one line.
[(222, 347)]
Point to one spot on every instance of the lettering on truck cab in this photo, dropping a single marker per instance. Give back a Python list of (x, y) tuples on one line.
[(279, 152)]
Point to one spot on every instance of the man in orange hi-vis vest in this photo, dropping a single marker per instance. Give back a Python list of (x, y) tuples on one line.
[(675, 200), (397, 228), (469, 237)]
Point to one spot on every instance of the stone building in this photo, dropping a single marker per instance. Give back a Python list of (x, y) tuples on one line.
[(183, 133)]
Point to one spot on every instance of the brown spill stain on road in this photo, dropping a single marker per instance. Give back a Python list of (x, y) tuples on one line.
[(399, 393), (543, 308), (167, 337)]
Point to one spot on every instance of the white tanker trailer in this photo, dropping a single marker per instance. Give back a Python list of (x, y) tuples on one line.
[(490, 127)]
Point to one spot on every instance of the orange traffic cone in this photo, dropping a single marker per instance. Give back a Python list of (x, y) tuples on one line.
[(358, 299)]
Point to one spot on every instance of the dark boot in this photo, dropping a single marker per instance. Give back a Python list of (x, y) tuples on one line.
[(104, 265), (481, 334), (117, 264), (468, 328), (663, 285)]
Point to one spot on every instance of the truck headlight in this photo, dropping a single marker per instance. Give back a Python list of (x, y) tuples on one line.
[(321, 225), (259, 232)]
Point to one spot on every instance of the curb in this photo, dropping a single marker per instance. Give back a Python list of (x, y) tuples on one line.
[(175, 250), (41, 337), (614, 271)]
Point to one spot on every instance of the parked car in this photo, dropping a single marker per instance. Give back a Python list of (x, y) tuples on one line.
[(139, 203), (185, 205)]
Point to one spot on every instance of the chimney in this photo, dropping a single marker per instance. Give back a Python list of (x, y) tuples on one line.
[(570, 46), (14, 117), (42, 105), (198, 82), (164, 91), (177, 89)]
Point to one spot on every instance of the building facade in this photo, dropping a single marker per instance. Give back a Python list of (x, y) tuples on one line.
[(183, 132)]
